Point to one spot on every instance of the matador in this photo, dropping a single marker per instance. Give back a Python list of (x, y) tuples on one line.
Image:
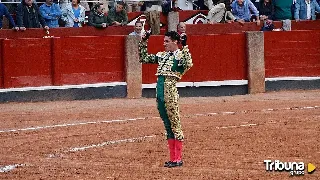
[(173, 63)]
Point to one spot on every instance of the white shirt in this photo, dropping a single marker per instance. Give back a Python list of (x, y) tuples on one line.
[(308, 10), (135, 34)]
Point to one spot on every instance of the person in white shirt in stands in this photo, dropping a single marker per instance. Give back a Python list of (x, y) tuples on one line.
[(181, 28), (137, 29)]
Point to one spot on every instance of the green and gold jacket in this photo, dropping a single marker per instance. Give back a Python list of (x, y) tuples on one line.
[(174, 64)]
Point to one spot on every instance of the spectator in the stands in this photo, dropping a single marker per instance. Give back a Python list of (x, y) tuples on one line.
[(265, 9), (282, 9), (221, 12), (51, 12), (242, 9), (138, 26), (4, 12), (118, 16), (73, 14), (97, 18), (28, 16), (181, 28), (306, 10)]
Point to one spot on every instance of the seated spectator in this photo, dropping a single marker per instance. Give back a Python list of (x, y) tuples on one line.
[(118, 16), (221, 13), (51, 13), (28, 16), (282, 9), (73, 14), (265, 9), (181, 28), (242, 9), (97, 17), (4, 12), (137, 29), (306, 10)]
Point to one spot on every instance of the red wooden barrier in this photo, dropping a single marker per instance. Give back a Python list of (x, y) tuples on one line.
[(26, 62), (215, 57), (155, 45), (72, 60), (81, 60), (1, 64), (295, 53), (78, 60)]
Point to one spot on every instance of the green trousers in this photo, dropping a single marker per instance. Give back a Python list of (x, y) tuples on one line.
[(167, 102)]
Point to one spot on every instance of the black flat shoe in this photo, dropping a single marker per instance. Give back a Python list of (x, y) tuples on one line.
[(174, 164), (166, 164)]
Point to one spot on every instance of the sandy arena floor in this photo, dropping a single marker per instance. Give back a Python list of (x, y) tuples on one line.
[(226, 138)]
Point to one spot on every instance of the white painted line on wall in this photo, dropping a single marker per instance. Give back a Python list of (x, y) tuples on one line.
[(290, 78), (185, 84), (153, 85), (80, 86), (198, 84), (229, 82), (221, 83), (8, 168)]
